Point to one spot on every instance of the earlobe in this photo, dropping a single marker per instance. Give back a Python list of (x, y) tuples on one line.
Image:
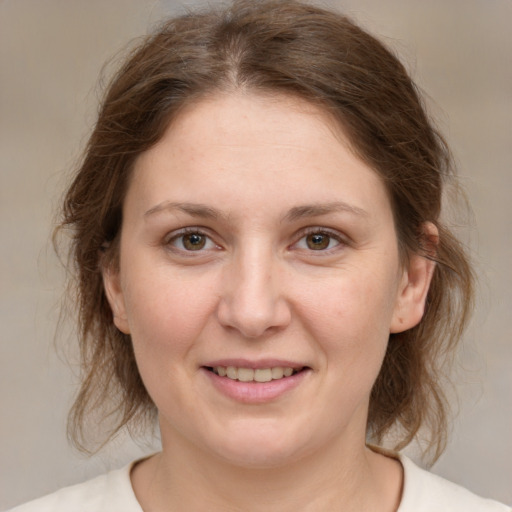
[(414, 286), (115, 297)]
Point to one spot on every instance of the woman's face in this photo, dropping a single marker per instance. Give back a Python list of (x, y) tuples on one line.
[(254, 243)]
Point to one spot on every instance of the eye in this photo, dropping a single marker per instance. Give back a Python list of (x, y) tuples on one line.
[(191, 241), (319, 240)]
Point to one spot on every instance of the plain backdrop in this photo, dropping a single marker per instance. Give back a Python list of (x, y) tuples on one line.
[(51, 55)]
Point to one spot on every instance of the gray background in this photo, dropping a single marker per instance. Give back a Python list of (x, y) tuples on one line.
[(51, 53)]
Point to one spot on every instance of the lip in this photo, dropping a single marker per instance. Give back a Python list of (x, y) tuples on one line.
[(255, 365), (255, 392)]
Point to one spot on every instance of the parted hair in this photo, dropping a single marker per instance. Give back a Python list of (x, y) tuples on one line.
[(269, 46)]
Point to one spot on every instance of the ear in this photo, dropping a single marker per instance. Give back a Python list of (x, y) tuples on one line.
[(115, 297), (415, 283)]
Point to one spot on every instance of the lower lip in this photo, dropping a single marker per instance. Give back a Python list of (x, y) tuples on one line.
[(255, 392)]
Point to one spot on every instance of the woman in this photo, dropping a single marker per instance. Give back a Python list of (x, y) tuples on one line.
[(261, 265)]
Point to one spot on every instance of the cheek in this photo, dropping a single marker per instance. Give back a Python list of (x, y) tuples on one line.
[(166, 313), (166, 316), (350, 315)]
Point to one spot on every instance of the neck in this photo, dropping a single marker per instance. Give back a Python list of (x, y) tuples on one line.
[(337, 478)]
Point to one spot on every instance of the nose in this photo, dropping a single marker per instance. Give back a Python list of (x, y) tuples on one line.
[(252, 299)]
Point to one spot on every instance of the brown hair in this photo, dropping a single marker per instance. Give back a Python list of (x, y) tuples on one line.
[(293, 48)]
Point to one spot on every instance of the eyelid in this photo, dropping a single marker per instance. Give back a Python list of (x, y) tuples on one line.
[(176, 234), (342, 239)]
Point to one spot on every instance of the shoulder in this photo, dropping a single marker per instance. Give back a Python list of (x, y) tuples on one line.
[(426, 492), (105, 493)]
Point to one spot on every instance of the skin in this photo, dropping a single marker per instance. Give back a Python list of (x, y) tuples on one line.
[(257, 290)]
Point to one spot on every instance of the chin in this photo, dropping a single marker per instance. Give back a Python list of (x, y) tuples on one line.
[(261, 448)]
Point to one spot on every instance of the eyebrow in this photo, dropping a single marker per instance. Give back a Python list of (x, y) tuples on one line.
[(319, 209), (294, 214), (193, 209)]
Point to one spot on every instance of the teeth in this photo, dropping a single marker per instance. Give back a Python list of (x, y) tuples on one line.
[(245, 374), (250, 375), (231, 372), (263, 375), (277, 373)]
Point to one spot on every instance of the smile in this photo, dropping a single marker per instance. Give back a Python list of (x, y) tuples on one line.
[(254, 375), (255, 385)]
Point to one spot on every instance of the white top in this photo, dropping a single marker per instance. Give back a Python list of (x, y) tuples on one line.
[(426, 492), (113, 492)]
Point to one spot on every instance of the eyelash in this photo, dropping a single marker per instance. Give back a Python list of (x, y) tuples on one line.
[(175, 236), (333, 235)]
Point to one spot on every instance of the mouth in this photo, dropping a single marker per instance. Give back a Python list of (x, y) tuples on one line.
[(252, 382), (260, 375)]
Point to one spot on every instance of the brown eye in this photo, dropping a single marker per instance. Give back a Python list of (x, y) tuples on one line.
[(194, 241), (318, 241), (190, 240)]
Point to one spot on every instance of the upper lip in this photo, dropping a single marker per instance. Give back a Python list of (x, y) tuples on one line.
[(255, 364)]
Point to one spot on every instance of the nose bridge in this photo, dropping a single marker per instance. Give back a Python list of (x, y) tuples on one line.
[(252, 300)]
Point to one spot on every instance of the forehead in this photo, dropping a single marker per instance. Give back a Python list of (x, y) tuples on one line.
[(262, 148)]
